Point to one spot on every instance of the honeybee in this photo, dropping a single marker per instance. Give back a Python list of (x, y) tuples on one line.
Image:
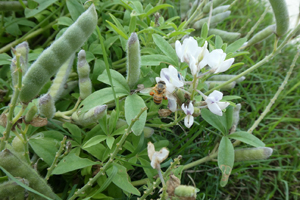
[(158, 92)]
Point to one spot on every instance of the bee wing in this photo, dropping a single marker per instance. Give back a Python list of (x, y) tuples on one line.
[(146, 91)]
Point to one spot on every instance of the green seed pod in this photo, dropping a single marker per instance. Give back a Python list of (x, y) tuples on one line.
[(220, 9), (215, 3), (185, 191), (214, 20), (236, 115), (226, 36), (281, 15), (225, 77), (184, 7), (193, 8), (58, 53), (68, 87), (148, 132), (30, 114), (83, 68), (61, 77), (252, 154), (261, 35), (212, 84), (90, 117), (47, 106), (133, 60), (11, 190), (18, 145), (19, 168), (23, 49)]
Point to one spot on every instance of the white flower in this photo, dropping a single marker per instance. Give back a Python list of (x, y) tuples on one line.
[(156, 157), (188, 110), (171, 77), (172, 102), (213, 103), (216, 60), (191, 53)]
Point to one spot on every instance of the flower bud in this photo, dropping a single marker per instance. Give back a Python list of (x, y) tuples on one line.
[(30, 114), (133, 60), (252, 154), (46, 106), (23, 49), (90, 117)]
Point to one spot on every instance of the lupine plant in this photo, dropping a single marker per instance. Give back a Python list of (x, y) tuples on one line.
[(78, 117)]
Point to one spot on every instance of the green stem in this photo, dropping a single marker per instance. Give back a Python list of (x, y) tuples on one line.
[(196, 12), (260, 63), (12, 105), (25, 142), (113, 155), (57, 155), (167, 125), (257, 23), (69, 112)]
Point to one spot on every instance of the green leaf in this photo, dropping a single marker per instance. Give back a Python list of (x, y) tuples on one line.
[(156, 8), (218, 42), (138, 7), (108, 181), (112, 121), (155, 60), (45, 144), (94, 140), (66, 21), (204, 30), (74, 130), (166, 48), (110, 141), (133, 106), (225, 159), (150, 172), (72, 162), (118, 80), (247, 138), (5, 59), (101, 97), (132, 24), (42, 5), (75, 8), (121, 179), (235, 45), (222, 123)]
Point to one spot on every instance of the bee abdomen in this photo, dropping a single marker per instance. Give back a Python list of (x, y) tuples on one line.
[(157, 100)]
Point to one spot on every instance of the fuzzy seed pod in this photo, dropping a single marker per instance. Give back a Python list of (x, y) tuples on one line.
[(252, 154), (19, 168), (214, 20), (11, 190), (172, 184), (83, 68), (30, 114), (61, 77), (47, 106), (261, 35), (133, 60), (220, 9), (90, 117), (193, 8), (281, 15), (14, 72), (17, 144), (186, 191), (184, 7), (58, 53), (215, 3), (225, 77), (226, 36), (236, 115), (212, 84)]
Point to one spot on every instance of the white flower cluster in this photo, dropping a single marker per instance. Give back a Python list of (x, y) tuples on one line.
[(197, 58)]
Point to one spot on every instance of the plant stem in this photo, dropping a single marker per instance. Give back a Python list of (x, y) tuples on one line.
[(13, 104), (166, 125), (257, 23), (113, 155), (58, 153)]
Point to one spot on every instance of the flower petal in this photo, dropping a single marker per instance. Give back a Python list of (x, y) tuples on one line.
[(150, 150), (193, 66), (162, 154), (214, 108), (217, 95), (225, 65), (178, 49), (172, 103), (214, 58), (223, 105), (188, 121)]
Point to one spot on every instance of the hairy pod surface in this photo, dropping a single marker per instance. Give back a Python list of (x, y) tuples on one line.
[(220, 9), (19, 168), (214, 20), (226, 36), (90, 117), (68, 87), (83, 68), (212, 84), (215, 3), (61, 77), (262, 35), (236, 114), (252, 153), (185, 191), (281, 16), (47, 106), (30, 114), (23, 49), (225, 77), (11, 190), (133, 60), (58, 53)]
